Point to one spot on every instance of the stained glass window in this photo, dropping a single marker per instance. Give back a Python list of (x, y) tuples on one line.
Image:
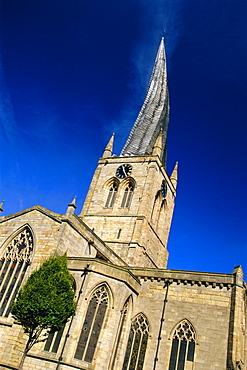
[(183, 346), (13, 265), (137, 344), (92, 324), (111, 195), (127, 196)]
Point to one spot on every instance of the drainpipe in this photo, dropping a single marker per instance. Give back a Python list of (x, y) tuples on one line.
[(84, 274), (156, 359)]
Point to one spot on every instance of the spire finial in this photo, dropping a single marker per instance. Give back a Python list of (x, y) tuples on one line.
[(109, 148), (1, 206), (174, 175), (72, 206), (163, 35)]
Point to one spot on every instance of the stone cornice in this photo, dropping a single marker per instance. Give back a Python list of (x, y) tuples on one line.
[(186, 277)]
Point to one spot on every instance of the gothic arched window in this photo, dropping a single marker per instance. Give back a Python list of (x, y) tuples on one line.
[(127, 196), (137, 344), (111, 195), (92, 324), (13, 265), (183, 346)]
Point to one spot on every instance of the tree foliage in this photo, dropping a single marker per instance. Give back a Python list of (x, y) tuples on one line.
[(46, 301)]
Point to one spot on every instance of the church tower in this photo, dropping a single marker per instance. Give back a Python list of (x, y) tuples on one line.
[(130, 201)]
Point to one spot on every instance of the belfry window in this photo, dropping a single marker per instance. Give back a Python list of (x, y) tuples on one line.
[(183, 346), (111, 195), (93, 323), (127, 196), (137, 344), (13, 265)]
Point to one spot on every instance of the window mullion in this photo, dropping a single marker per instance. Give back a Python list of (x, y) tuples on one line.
[(113, 197), (138, 352), (2, 267), (178, 352), (7, 287), (132, 345), (186, 353), (15, 284), (6, 273), (4, 279)]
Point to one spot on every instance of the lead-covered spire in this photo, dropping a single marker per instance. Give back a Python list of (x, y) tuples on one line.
[(154, 114)]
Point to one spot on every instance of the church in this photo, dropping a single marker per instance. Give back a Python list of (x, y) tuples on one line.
[(132, 312)]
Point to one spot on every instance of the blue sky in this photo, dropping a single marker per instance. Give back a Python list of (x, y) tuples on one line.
[(74, 71)]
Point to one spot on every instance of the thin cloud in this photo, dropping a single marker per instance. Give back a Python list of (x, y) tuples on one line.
[(158, 17), (7, 117)]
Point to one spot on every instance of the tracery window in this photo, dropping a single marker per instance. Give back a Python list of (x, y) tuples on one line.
[(137, 344), (111, 195), (13, 265), (183, 346), (127, 196), (93, 323)]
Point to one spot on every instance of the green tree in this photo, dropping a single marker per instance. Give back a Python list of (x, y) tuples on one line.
[(45, 302)]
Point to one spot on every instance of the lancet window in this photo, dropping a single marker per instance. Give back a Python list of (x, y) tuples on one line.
[(93, 323), (111, 195), (137, 344), (127, 196), (13, 265), (183, 346)]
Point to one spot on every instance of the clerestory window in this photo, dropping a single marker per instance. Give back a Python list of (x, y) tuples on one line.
[(111, 195), (183, 346), (127, 196), (93, 323), (137, 344), (13, 265)]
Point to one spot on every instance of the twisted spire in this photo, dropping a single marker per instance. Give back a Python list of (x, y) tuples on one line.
[(154, 114)]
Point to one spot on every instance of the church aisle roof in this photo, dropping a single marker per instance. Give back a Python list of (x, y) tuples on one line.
[(154, 114)]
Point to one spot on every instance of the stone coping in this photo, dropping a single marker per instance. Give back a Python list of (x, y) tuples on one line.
[(104, 268), (53, 215)]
